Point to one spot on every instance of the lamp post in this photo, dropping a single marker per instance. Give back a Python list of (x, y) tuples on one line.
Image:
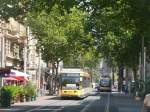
[(143, 60), (144, 63), (39, 70), (25, 56), (2, 50), (26, 50)]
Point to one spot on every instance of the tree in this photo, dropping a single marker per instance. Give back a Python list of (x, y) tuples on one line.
[(119, 28), (56, 42), (59, 35), (126, 21), (18, 9)]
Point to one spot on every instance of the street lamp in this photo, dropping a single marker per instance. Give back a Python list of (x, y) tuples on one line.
[(143, 60)]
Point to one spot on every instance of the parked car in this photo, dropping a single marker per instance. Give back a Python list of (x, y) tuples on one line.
[(95, 86)]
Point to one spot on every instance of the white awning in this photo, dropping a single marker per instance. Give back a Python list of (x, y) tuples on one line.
[(18, 73)]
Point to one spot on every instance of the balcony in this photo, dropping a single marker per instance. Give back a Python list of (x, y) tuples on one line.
[(21, 41), (22, 32), (13, 27), (11, 37), (10, 55)]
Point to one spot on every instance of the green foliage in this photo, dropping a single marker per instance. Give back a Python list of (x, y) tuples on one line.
[(14, 90), (139, 88), (30, 89), (18, 9), (118, 27), (60, 35), (12, 8), (147, 87)]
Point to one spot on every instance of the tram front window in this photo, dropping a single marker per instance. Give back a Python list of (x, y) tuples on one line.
[(70, 82), (104, 82)]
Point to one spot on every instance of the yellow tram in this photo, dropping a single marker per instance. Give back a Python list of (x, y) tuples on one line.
[(74, 83)]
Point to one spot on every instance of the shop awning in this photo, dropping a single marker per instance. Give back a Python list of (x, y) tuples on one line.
[(4, 72), (18, 73), (15, 78), (20, 78), (10, 78)]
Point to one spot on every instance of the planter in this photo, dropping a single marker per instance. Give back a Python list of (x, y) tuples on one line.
[(5, 98), (33, 98), (17, 98), (28, 98), (12, 100), (21, 98)]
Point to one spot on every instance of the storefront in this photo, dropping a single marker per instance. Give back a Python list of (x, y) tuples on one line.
[(10, 76), (4, 72)]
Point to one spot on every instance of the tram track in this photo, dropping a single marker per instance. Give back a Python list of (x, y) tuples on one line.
[(104, 100), (107, 106)]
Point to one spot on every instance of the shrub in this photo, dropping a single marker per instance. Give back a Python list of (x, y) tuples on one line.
[(12, 89), (30, 89), (147, 85), (140, 88)]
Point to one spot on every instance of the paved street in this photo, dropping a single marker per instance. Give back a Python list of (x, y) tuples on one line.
[(96, 102)]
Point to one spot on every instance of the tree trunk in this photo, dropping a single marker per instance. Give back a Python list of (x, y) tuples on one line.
[(120, 80), (53, 75), (113, 77), (135, 73), (57, 81), (50, 80), (50, 85)]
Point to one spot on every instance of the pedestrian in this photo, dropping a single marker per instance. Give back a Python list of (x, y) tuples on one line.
[(147, 102), (126, 89), (123, 86)]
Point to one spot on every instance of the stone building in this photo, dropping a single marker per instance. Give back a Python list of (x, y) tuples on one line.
[(35, 64), (12, 37), (18, 50)]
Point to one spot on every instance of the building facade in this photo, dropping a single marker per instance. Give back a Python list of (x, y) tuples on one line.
[(18, 50), (35, 64), (12, 36)]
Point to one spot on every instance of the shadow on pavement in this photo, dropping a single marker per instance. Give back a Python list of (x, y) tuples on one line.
[(64, 98), (26, 108)]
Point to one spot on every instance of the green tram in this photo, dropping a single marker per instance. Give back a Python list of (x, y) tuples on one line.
[(105, 84)]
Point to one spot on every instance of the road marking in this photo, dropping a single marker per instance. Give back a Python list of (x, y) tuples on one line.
[(87, 106), (30, 110), (58, 109), (34, 109), (10, 109), (107, 103)]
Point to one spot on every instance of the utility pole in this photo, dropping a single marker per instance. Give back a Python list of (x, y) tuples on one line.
[(144, 64), (140, 66), (143, 60), (39, 74), (25, 56), (2, 50), (39, 69), (26, 49)]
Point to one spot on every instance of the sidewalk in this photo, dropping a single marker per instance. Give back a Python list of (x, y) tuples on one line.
[(22, 106), (38, 101)]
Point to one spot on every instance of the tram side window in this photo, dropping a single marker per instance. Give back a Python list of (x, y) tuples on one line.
[(86, 82)]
